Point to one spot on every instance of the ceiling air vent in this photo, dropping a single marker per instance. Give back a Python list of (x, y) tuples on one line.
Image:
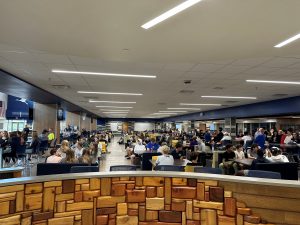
[(60, 86), (186, 91), (279, 95), (187, 81)]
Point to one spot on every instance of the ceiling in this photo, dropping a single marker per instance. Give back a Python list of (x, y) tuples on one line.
[(216, 44)]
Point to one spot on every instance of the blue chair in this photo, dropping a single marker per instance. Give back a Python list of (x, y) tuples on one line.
[(123, 168), (84, 169), (169, 168), (264, 174), (199, 169)]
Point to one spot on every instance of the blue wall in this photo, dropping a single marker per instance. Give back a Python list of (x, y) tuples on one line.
[(287, 106)]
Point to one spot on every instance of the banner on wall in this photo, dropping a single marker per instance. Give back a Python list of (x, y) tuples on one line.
[(19, 108)]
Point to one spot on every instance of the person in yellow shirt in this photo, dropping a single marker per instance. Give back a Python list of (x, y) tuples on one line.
[(51, 136)]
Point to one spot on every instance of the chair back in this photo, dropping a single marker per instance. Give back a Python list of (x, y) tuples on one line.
[(154, 158), (84, 169), (169, 168), (57, 168), (264, 174), (123, 168), (211, 170), (248, 144)]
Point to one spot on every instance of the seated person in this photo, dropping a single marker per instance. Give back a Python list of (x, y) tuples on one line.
[(139, 149), (252, 152), (275, 155), (165, 158), (239, 152), (193, 159), (152, 145), (227, 162), (193, 143), (70, 157), (226, 138), (178, 152), (129, 149), (86, 157), (54, 157), (260, 159), (162, 145)]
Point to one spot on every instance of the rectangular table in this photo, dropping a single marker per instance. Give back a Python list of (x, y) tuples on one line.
[(246, 162)]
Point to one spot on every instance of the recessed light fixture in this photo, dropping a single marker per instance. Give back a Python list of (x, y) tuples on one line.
[(116, 107), (170, 13), (184, 108), (173, 111), (200, 104), (102, 74), (234, 97), (274, 82), (287, 41), (106, 93), (117, 102)]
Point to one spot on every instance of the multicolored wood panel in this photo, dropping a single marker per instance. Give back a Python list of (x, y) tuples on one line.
[(144, 201)]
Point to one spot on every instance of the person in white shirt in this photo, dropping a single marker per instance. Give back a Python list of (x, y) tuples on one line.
[(275, 155), (288, 138), (78, 149), (53, 158), (165, 158), (226, 137), (239, 153), (139, 148)]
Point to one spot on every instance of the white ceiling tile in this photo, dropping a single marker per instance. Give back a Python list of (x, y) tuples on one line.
[(52, 58), (179, 66), (281, 62), (207, 67), (233, 69), (250, 61)]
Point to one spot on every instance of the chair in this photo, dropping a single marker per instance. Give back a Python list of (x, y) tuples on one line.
[(199, 169), (264, 174), (84, 169), (123, 168), (43, 146), (169, 168), (248, 144)]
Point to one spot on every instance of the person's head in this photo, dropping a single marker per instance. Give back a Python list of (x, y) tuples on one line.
[(226, 134), (178, 146), (45, 131), (194, 138), (53, 151), (194, 157), (86, 152), (65, 144), (34, 135), (260, 153), (229, 148), (165, 150), (275, 151), (152, 140), (70, 155), (79, 144), (239, 148), (140, 141)]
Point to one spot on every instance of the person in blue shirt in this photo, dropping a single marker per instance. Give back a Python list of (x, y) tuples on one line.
[(207, 136), (260, 139), (152, 145)]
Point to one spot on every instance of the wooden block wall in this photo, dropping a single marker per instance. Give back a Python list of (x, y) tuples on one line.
[(144, 201)]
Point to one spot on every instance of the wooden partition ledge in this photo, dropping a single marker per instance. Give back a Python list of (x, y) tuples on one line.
[(148, 198)]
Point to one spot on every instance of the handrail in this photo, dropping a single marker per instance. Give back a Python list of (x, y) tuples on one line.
[(202, 176)]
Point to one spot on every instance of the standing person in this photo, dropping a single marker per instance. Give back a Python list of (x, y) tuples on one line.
[(51, 136), (14, 142), (26, 132), (54, 157), (34, 144), (260, 138)]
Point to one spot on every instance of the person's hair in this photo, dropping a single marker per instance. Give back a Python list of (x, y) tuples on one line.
[(253, 146), (64, 144), (228, 146), (53, 151), (70, 156), (86, 156), (238, 146), (165, 149), (194, 156), (34, 135), (178, 145), (79, 143), (152, 140), (260, 153), (275, 151)]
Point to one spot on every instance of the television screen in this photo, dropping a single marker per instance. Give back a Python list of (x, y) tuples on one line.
[(60, 114)]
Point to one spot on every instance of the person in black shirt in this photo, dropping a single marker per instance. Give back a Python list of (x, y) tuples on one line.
[(227, 162), (178, 152)]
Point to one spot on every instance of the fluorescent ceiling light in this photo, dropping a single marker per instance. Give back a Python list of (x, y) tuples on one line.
[(235, 97), (164, 113), (106, 93), (173, 111), (115, 110), (120, 113), (184, 108), (273, 82), (115, 107), (102, 74), (200, 104), (117, 102), (170, 13), (287, 41)]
